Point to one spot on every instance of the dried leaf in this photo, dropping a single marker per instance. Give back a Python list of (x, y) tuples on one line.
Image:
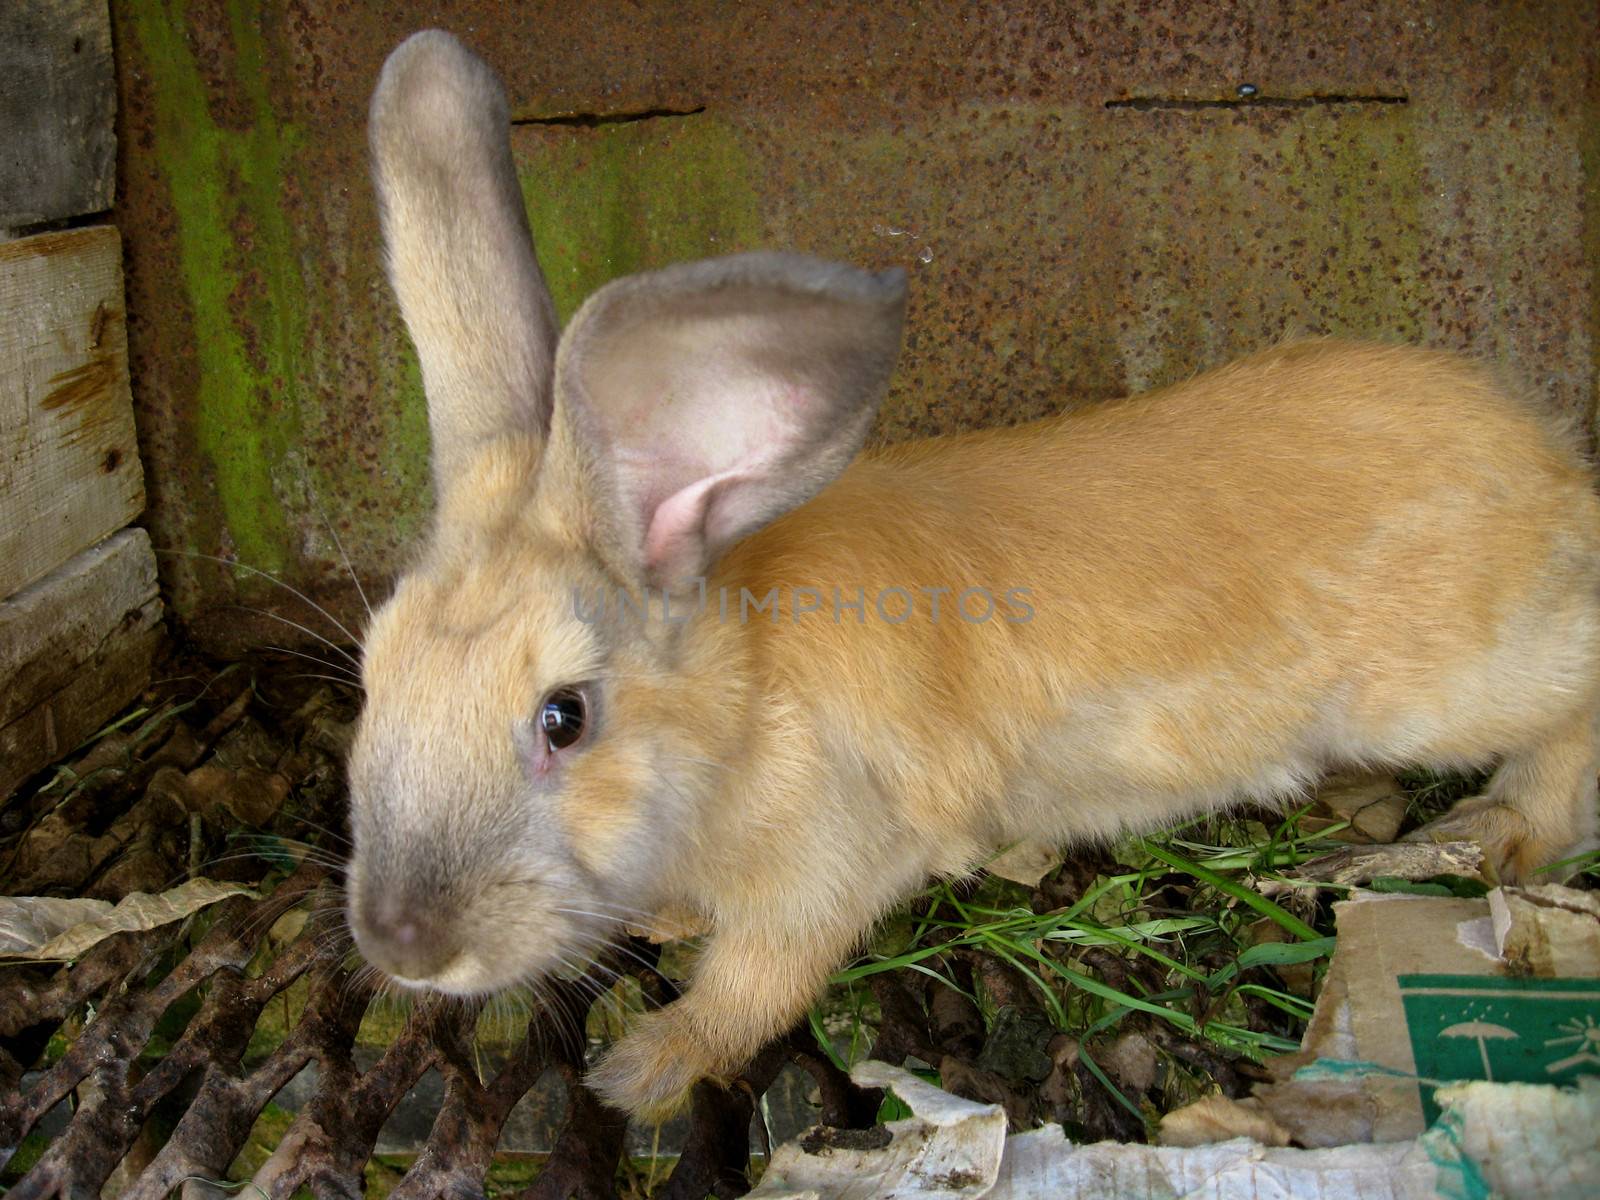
[(1131, 1059), (249, 794), (1025, 863), (1219, 1119), (673, 923), (1373, 804), (28, 922), (43, 928)]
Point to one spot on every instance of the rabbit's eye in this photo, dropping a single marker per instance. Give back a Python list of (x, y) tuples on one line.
[(562, 717)]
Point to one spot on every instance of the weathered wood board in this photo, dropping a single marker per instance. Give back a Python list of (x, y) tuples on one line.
[(75, 648), (69, 464), (58, 100)]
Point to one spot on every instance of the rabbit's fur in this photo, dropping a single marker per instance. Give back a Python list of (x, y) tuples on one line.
[(1324, 555)]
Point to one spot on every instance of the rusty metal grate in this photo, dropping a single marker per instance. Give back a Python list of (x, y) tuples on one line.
[(204, 1088), (145, 1066), (329, 1142), (331, 1139)]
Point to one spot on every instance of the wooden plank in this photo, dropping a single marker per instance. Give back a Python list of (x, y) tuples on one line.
[(69, 464), (58, 102), (75, 649)]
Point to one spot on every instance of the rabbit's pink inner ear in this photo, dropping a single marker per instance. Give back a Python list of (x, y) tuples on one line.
[(675, 536), (687, 530)]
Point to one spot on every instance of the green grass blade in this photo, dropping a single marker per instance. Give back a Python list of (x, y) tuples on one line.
[(1245, 895)]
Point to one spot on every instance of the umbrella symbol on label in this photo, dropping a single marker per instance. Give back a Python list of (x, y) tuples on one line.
[(1483, 1032)]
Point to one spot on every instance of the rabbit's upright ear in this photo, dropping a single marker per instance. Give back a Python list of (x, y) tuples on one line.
[(459, 253), (702, 401)]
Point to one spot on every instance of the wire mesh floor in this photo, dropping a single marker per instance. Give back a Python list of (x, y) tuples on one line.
[(145, 1066)]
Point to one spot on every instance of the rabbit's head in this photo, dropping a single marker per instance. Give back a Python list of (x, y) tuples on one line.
[(527, 773)]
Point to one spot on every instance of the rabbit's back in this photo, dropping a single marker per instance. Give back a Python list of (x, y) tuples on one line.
[(1321, 555)]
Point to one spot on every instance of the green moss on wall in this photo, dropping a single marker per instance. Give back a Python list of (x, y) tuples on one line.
[(408, 442), (616, 199), (239, 270), (1370, 188), (301, 407), (294, 362)]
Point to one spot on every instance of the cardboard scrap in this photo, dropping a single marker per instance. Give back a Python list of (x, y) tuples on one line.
[(1425, 991), (1534, 1142), (1546, 930), (47, 929)]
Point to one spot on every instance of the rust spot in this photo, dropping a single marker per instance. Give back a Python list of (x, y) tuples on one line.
[(82, 385), (111, 461)]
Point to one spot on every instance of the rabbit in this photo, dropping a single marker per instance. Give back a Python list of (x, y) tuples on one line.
[(830, 675)]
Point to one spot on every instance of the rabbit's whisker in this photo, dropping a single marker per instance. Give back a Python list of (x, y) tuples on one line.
[(305, 629), (350, 570), (271, 578)]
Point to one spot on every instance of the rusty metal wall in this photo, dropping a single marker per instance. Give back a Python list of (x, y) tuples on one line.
[(1086, 202)]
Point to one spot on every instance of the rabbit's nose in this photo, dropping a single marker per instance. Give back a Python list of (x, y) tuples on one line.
[(403, 938)]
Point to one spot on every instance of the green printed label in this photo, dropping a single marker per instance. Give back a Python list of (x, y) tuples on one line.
[(1500, 1029)]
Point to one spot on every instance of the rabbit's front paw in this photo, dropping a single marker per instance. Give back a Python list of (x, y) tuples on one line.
[(650, 1071)]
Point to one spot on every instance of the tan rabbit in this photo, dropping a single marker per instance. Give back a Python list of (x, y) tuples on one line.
[(854, 675)]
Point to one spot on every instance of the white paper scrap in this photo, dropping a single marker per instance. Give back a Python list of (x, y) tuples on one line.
[(1530, 1141)]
